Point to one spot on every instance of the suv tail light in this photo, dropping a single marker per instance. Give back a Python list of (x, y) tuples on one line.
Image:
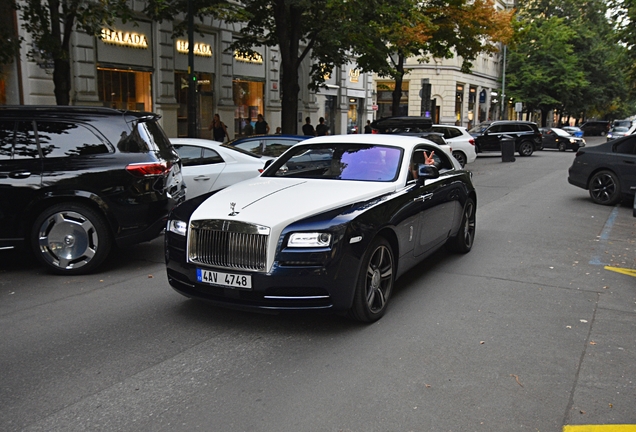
[(375, 131), (471, 141), (149, 169)]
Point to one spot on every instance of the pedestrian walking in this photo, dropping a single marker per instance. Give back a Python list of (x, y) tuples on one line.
[(218, 128), (322, 128), (367, 128), (261, 127), (308, 129)]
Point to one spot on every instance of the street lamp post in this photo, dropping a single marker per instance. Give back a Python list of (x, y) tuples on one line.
[(192, 78)]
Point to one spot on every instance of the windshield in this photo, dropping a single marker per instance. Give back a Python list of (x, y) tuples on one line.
[(620, 129), (363, 162), (479, 128), (561, 132)]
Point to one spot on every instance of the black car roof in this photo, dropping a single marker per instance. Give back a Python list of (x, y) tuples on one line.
[(401, 121), (53, 111)]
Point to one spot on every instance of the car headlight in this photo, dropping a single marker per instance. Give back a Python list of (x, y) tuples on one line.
[(309, 240), (178, 226), (572, 140)]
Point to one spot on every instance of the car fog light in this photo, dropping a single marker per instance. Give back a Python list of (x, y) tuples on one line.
[(309, 240)]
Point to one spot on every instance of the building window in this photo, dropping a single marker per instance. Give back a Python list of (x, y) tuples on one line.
[(385, 99), (204, 103), (459, 103), (124, 89), (249, 102)]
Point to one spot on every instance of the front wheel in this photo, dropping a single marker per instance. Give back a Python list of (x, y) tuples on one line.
[(70, 238), (375, 282), (605, 188), (463, 241), (461, 158), (561, 147), (526, 148)]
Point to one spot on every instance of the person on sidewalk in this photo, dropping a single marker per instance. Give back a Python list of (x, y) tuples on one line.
[(322, 128), (308, 129)]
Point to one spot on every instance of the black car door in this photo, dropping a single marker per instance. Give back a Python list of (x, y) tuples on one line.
[(438, 201), (626, 163), (20, 177), (490, 139)]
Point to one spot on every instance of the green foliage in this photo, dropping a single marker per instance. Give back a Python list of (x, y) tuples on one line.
[(565, 57)]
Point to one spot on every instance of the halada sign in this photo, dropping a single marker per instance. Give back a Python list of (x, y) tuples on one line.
[(200, 49), (124, 38), (256, 58)]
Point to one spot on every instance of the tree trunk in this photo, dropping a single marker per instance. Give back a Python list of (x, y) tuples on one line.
[(397, 91), (62, 81), (290, 89)]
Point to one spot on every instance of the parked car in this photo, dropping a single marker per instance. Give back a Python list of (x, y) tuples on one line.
[(75, 181), (557, 138), (574, 131), (210, 165), (267, 145), (620, 131), (622, 123), (488, 136), (332, 236), (595, 127), (606, 170), (462, 143), (411, 126)]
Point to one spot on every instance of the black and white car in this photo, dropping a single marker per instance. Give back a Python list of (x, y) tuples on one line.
[(329, 226)]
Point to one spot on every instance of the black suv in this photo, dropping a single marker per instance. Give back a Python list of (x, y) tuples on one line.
[(74, 181), (402, 125), (526, 134), (595, 127)]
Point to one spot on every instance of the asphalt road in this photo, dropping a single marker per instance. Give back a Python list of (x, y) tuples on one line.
[(529, 331)]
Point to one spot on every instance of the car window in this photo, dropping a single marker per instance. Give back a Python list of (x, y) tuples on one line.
[(17, 141), (452, 133), (276, 147), (525, 128), (65, 139), (211, 157), (505, 128), (253, 146), (627, 146), (7, 133), (495, 129), (190, 155)]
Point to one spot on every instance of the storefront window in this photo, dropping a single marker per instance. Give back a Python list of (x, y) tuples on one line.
[(123, 89), (459, 102), (249, 102), (205, 103), (352, 117), (385, 99)]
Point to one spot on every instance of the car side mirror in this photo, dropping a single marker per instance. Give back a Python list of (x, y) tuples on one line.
[(485, 133), (426, 172)]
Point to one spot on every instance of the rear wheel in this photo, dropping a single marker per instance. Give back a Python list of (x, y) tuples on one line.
[(463, 241), (375, 282), (561, 147), (70, 238), (461, 158), (526, 148), (605, 188)]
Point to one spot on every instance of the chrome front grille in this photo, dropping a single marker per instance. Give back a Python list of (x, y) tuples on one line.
[(228, 244)]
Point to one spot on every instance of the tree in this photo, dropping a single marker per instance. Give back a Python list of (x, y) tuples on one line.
[(625, 17), (51, 24), (391, 32), (543, 70), (9, 42), (316, 29)]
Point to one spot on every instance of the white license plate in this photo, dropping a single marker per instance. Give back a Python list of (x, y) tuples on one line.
[(224, 279)]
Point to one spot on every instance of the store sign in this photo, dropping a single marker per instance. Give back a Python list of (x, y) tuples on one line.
[(200, 49), (354, 75), (255, 58), (128, 39)]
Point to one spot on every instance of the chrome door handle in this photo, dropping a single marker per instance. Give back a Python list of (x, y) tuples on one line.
[(423, 197), (201, 178)]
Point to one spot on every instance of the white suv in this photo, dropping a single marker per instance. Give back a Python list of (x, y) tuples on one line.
[(462, 143)]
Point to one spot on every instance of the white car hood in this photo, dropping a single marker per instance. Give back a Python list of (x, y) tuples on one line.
[(276, 202)]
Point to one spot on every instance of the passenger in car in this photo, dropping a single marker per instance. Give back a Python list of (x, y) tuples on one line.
[(419, 158)]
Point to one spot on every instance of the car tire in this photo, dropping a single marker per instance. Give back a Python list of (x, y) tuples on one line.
[(375, 282), (604, 188), (461, 158), (463, 241), (561, 147), (526, 148), (70, 238)]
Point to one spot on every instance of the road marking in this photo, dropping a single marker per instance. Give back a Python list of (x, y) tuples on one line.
[(600, 428), (628, 272), (607, 229)]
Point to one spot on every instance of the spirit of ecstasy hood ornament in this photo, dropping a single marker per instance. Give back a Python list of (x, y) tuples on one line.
[(233, 213)]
